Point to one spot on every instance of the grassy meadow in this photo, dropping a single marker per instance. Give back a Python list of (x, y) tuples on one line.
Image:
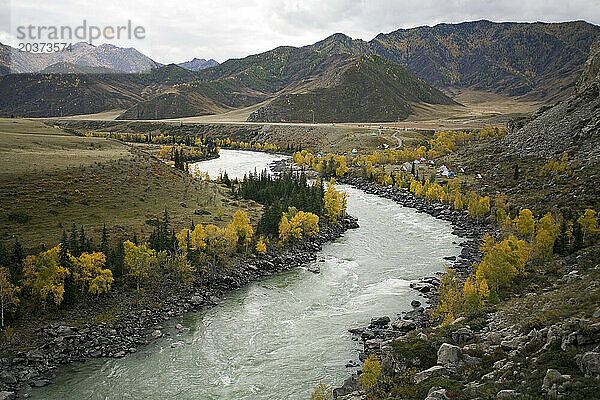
[(50, 180)]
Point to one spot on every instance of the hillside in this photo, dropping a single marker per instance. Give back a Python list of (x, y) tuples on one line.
[(539, 60), (83, 54), (571, 126), (46, 95), (367, 88)]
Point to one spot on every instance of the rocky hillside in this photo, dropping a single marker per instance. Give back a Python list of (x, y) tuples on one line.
[(367, 88), (537, 59), (571, 126)]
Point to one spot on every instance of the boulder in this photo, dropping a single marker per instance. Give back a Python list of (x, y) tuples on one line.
[(196, 300), (380, 321), (589, 364), (449, 356), (156, 334), (433, 372), (462, 335), (403, 325), (553, 380), (4, 395), (8, 377), (349, 386), (422, 287), (40, 382), (436, 393), (314, 268), (508, 394)]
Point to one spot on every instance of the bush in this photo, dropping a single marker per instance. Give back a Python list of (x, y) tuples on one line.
[(414, 352)]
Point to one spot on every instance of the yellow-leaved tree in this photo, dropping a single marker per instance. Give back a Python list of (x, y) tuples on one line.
[(588, 222), (335, 202), (242, 228), (369, 378), (261, 246), (43, 275), (140, 261), (545, 236), (8, 293), (525, 223), (450, 297), (192, 239), (322, 392), (502, 262), (89, 273)]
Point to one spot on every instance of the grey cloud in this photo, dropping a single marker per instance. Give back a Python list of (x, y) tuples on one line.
[(181, 30)]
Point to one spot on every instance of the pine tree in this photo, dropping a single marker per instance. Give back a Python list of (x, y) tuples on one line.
[(65, 261), (16, 262), (73, 243)]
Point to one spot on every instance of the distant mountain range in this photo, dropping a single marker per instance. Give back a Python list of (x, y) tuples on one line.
[(336, 79), (198, 63), (82, 54)]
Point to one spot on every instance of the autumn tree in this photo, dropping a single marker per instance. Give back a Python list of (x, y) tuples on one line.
[(8, 292), (322, 392), (588, 223), (242, 228), (139, 261), (472, 299), (502, 262), (181, 268), (45, 277), (450, 298), (545, 236), (261, 246), (90, 274), (371, 373), (525, 223), (335, 202), (478, 206)]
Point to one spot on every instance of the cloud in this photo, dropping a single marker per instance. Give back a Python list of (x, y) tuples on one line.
[(181, 30)]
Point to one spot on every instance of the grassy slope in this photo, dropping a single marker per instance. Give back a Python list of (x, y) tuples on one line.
[(367, 88), (56, 179)]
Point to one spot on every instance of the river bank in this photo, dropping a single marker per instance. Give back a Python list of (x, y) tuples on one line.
[(132, 330)]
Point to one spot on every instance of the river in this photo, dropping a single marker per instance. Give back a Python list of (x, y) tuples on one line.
[(276, 338)]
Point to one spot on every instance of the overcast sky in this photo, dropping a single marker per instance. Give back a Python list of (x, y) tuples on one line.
[(180, 30)]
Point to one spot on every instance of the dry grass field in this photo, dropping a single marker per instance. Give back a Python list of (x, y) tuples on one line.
[(50, 180)]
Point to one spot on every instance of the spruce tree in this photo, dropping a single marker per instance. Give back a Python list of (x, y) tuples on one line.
[(16, 262), (73, 243), (64, 260)]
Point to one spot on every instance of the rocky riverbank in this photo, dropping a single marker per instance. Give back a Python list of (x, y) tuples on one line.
[(131, 330), (377, 336)]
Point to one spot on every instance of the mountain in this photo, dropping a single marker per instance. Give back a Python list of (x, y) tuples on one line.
[(198, 63), (82, 54), (359, 89), (540, 60), (572, 125)]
